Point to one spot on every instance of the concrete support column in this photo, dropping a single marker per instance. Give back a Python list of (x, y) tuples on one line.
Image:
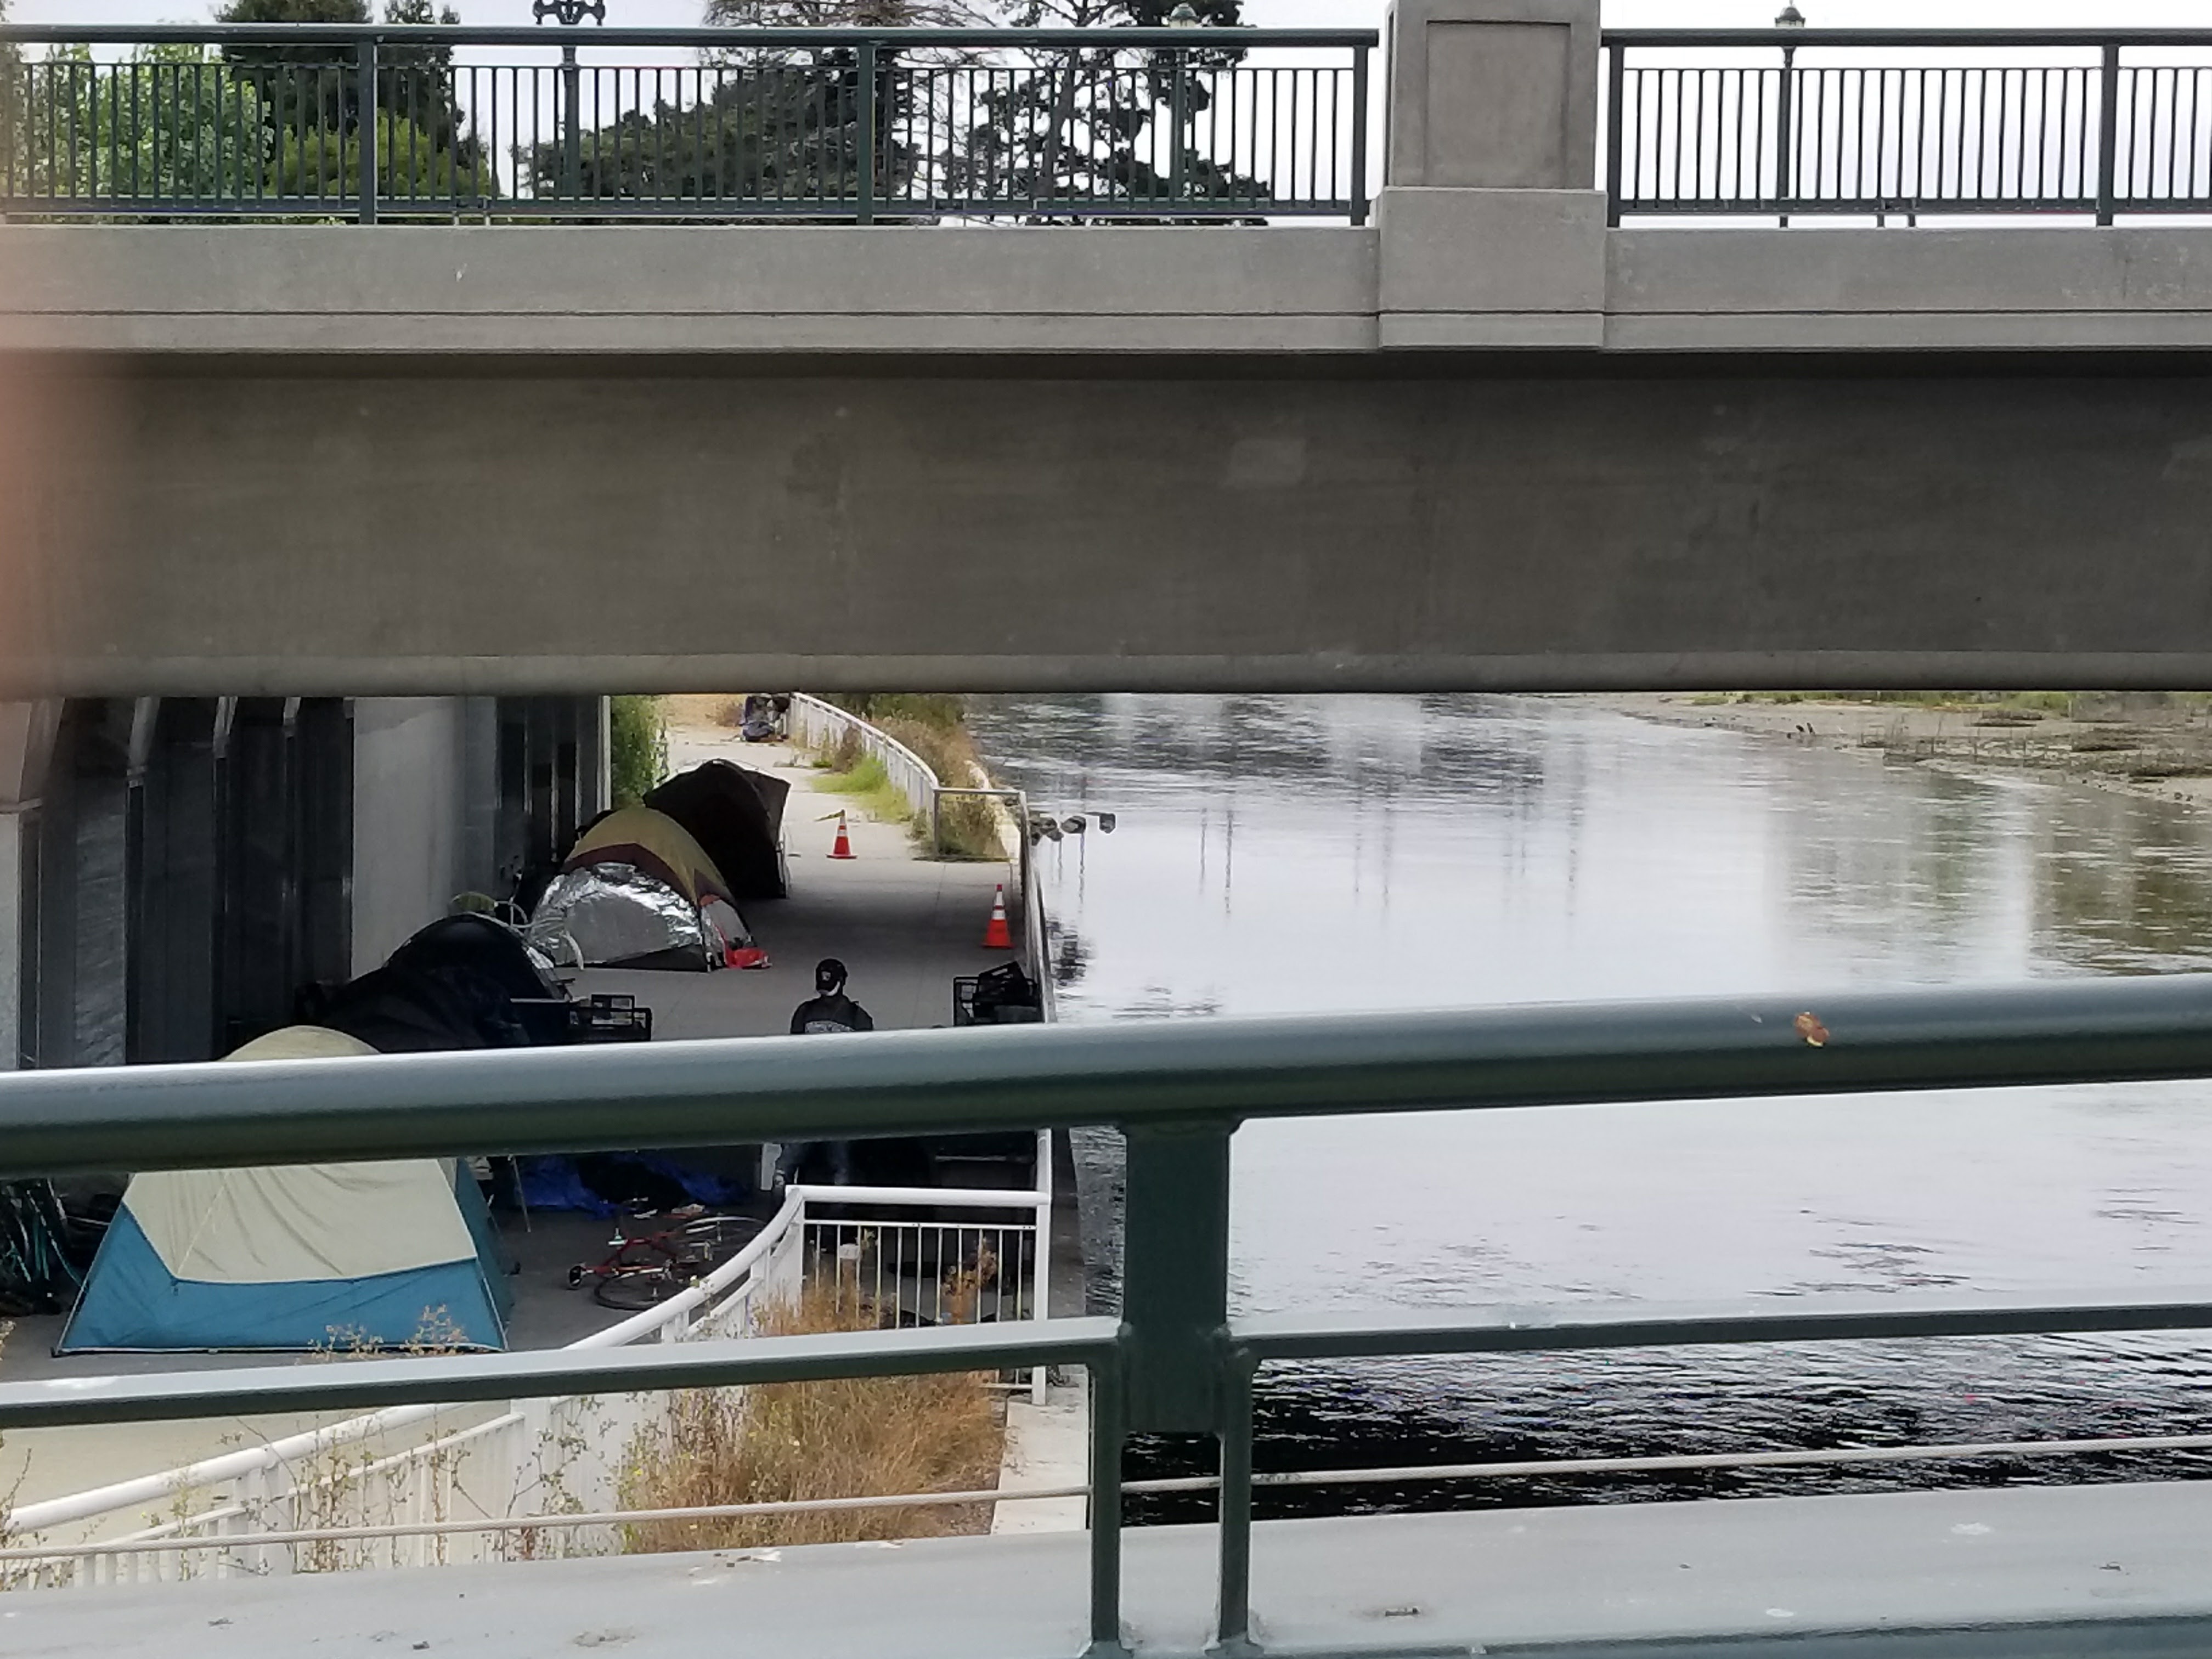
[(27, 746), (540, 744), (411, 806), (480, 798), (173, 965), (258, 953), (86, 883), (564, 717), (1490, 230), (594, 780), (514, 791)]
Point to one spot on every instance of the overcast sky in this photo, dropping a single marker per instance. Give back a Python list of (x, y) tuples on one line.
[(1838, 14)]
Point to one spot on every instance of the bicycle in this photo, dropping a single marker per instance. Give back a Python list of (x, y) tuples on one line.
[(38, 1273), (643, 1269)]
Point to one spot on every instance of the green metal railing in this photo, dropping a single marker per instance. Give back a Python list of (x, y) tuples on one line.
[(857, 126), (1797, 122), (1174, 1360)]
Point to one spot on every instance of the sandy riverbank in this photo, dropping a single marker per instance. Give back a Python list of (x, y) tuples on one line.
[(2138, 745)]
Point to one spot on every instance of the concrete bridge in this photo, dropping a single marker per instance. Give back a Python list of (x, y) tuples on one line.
[(1488, 439)]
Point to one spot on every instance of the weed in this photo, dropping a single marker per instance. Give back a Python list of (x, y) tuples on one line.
[(782, 1441)]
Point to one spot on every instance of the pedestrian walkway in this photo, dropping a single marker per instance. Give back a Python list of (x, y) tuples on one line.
[(2029, 1571), (904, 927)]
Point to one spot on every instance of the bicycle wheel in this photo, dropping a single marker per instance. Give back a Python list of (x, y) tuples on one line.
[(712, 1240), (633, 1290)]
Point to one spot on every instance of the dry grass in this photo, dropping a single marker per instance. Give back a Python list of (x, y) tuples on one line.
[(852, 1438), (969, 826)]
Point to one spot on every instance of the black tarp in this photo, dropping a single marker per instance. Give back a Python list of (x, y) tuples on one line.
[(462, 982), (736, 815)]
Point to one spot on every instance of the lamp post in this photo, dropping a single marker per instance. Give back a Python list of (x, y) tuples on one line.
[(1785, 171), (1182, 17), (570, 13)]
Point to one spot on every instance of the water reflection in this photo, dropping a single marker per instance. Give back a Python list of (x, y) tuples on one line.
[(1280, 855)]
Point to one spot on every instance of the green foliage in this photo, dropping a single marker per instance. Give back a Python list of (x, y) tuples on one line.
[(1091, 125), (934, 725), (411, 166), (764, 132), (637, 747), (293, 11), (180, 123), (314, 88), (786, 125), (171, 122), (944, 710)]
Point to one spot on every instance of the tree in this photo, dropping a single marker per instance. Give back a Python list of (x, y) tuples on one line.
[(412, 168), (314, 89), (11, 108), (760, 132), (637, 747), (1085, 128), (766, 126), (1095, 125), (171, 123)]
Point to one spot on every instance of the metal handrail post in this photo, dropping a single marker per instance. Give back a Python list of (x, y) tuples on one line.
[(865, 158), (1106, 1438), (2108, 133), (366, 123), (1178, 142), (1615, 69), (1232, 1631), (572, 134), (1041, 1290), (1785, 139), (1359, 198)]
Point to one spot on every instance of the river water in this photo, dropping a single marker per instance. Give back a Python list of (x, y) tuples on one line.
[(1280, 854)]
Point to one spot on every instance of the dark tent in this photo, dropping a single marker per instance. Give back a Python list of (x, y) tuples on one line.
[(462, 982), (736, 815)]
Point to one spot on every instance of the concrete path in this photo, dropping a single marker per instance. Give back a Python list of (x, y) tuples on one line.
[(2019, 1573), (903, 925)]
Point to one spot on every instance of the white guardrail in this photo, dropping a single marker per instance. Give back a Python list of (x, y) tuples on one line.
[(542, 1457), (821, 728)]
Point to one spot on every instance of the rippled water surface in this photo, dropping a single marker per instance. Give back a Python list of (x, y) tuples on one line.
[(1280, 855)]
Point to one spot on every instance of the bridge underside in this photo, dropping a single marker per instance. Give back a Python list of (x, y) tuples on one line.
[(2021, 1573), (210, 525)]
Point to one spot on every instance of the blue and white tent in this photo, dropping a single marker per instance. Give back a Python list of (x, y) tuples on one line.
[(327, 1255)]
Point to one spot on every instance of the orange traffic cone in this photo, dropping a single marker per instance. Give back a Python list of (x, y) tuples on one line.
[(997, 936), (843, 847)]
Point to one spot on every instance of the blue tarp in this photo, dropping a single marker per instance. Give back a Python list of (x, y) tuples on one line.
[(554, 1182)]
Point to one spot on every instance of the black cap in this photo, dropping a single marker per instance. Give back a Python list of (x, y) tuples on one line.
[(828, 974)]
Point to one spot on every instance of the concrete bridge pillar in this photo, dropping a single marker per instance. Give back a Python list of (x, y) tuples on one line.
[(26, 748), (1492, 225)]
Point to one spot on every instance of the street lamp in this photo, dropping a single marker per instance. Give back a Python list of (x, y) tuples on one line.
[(570, 13), (1788, 20)]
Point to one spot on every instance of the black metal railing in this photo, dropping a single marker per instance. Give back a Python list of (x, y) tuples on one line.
[(1908, 123), (1176, 1360), (716, 124)]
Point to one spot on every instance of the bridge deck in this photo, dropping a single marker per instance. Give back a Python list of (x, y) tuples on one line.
[(1772, 1571)]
